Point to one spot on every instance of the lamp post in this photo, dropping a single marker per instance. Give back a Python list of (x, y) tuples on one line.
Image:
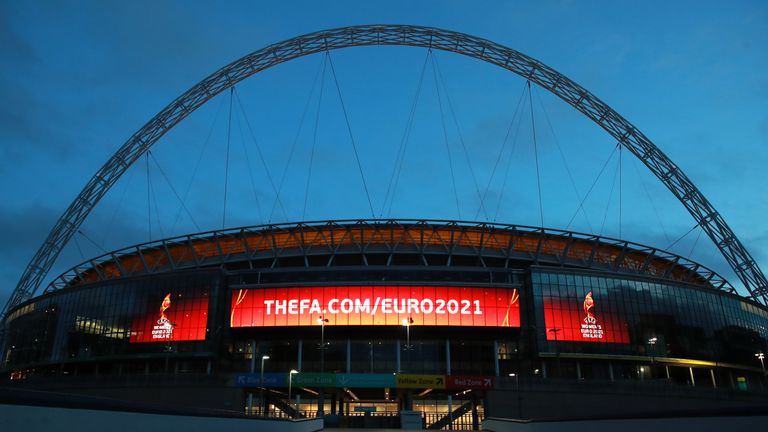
[(407, 324), (290, 382), (261, 383), (322, 320), (761, 357), (320, 401)]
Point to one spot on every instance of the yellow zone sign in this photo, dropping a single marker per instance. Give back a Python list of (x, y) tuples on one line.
[(420, 381)]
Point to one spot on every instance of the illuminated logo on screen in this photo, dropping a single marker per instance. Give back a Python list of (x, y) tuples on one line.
[(376, 305), (583, 319), (181, 316), (590, 329), (164, 327)]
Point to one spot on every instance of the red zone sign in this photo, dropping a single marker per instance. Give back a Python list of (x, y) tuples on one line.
[(376, 305)]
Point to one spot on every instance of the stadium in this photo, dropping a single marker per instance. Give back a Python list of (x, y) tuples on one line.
[(362, 320)]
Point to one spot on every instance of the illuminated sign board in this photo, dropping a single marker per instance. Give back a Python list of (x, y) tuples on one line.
[(174, 318), (311, 379), (582, 319), (376, 305)]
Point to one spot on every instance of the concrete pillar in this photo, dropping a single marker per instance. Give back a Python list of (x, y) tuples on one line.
[(447, 357), (398, 366), (349, 356), (298, 360)]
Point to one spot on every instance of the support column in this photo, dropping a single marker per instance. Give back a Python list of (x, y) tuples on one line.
[(398, 366), (448, 372), (349, 356), (447, 357), (252, 370), (298, 360)]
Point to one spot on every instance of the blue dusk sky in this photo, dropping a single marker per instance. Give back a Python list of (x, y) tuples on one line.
[(78, 78)]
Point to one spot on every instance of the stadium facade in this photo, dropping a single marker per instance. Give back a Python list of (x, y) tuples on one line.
[(455, 320)]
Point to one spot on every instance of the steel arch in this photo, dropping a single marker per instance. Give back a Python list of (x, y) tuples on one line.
[(578, 97)]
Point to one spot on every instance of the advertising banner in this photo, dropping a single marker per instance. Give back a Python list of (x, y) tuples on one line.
[(172, 317), (583, 319), (376, 305)]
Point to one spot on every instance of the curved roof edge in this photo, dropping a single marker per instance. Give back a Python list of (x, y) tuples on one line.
[(484, 239)]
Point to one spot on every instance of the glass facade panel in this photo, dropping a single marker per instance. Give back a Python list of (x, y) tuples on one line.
[(145, 315), (614, 315)]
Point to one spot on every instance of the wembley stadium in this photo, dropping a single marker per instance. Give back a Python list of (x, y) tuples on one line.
[(366, 321)]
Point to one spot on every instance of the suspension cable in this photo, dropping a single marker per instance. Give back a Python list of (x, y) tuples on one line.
[(248, 164), (296, 137), (261, 155), (536, 156), (610, 197), (620, 147), (401, 150), (167, 180), (198, 162), (461, 137), (120, 201), (226, 162), (591, 187), (149, 206), (79, 250), (351, 136), (154, 200), (510, 159), (501, 150), (650, 199), (314, 138), (91, 241), (562, 157), (681, 237), (445, 139), (696, 242)]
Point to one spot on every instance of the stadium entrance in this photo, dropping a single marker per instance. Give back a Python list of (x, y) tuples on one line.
[(373, 407)]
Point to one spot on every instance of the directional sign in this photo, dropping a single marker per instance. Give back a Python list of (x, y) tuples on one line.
[(420, 381), (306, 379), (469, 382), (254, 380), (365, 380)]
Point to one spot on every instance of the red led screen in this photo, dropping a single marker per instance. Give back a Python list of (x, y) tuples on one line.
[(172, 317), (376, 305), (583, 319)]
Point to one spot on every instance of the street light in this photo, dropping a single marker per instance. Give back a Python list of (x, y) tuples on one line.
[(261, 383), (320, 402), (761, 356), (322, 320), (290, 382), (407, 324)]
